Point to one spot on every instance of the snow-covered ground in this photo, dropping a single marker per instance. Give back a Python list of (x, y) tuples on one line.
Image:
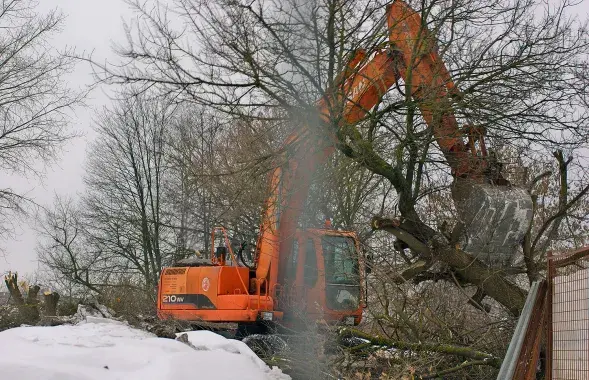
[(105, 349)]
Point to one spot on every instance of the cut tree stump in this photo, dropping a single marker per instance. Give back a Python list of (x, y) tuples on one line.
[(11, 281), (28, 309), (51, 299)]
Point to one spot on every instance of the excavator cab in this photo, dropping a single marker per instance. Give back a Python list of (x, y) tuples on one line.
[(324, 277)]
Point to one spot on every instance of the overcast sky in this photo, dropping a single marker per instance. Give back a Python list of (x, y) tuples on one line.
[(91, 25)]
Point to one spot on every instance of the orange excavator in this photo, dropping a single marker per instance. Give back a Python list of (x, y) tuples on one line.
[(319, 273)]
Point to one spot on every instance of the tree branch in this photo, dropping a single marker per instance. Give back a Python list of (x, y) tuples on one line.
[(492, 281), (447, 349), (466, 364)]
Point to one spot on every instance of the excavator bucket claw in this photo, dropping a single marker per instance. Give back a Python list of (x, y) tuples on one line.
[(495, 219)]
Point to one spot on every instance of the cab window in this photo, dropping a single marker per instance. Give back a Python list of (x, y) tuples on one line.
[(342, 279), (310, 263), (291, 270)]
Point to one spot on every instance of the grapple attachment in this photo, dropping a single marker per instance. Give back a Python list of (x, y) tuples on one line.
[(495, 219)]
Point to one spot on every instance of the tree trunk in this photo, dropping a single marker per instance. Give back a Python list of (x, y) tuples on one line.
[(51, 300), (28, 309), (492, 282), (11, 281)]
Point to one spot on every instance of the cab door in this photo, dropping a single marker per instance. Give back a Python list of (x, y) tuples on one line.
[(310, 277), (303, 282), (293, 286)]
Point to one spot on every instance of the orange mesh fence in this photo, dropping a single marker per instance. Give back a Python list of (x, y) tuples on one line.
[(568, 316)]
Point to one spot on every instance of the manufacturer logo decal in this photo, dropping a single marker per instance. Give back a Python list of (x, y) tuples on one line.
[(206, 284), (358, 89)]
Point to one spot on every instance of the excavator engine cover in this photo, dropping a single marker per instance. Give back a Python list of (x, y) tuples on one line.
[(495, 219)]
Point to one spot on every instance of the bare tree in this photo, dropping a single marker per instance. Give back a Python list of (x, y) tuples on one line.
[(34, 98), (125, 173), (64, 248), (118, 232), (159, 177), (191, 145)]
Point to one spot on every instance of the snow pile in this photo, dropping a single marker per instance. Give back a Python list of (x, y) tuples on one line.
[(105, 349), (208, 340)]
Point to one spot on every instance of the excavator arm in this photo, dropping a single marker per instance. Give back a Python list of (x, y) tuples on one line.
[(496, 216)]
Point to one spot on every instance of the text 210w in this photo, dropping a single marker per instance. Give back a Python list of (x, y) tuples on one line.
[(172, 299)]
